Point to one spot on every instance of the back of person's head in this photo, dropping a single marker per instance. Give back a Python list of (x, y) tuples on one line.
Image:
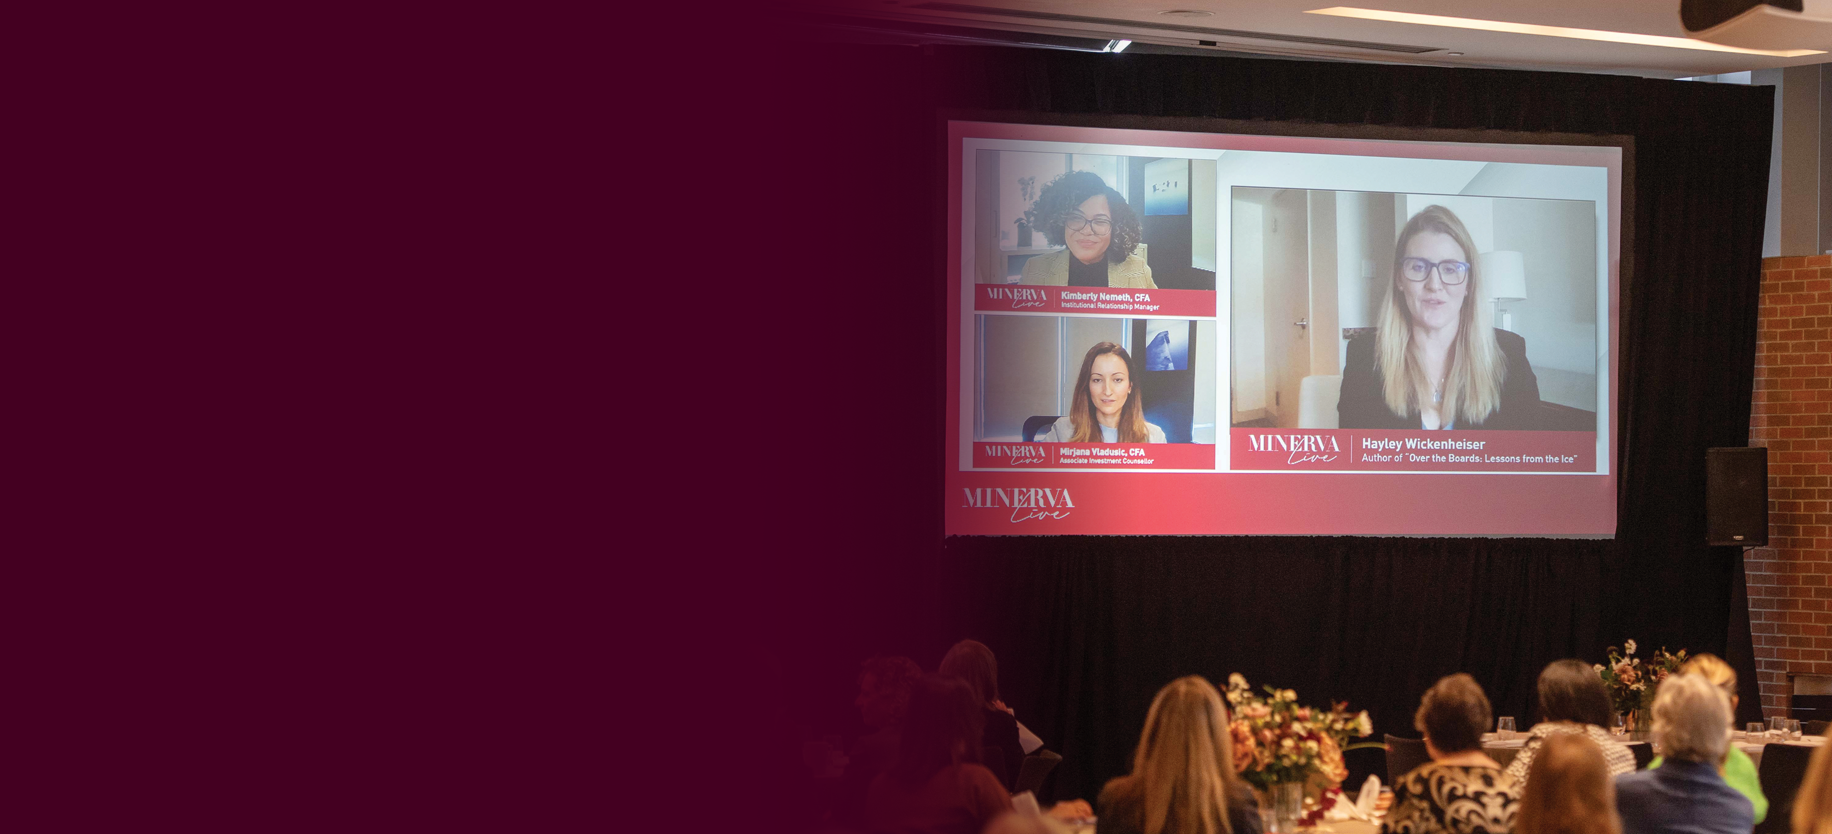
[(1453, 714), (972, 662), (884, 689), (1571, 690), (942, 728), (1690, 716), (1183, 770), (1569, 790), (1714, 669), (1813, 804)]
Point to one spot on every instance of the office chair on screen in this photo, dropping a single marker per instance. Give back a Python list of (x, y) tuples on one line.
[(1404, 754), (1036, 424)]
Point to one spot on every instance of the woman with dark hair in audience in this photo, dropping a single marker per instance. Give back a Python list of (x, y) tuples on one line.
[(1686, 794), (1461, 790), (973, 663), (1099, 231), (883, 701), (1572, 700), (1738, 769), (1183, 779), (1569, 790), (937, 786), (1813, 803)]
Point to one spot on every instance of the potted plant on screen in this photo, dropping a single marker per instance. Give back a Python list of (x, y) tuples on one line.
[(1027, 189), (1288, 751)]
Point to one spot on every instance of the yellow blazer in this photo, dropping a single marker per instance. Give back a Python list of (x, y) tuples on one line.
[(1053, 270)]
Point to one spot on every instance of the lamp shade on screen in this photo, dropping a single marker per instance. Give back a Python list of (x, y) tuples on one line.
[(1505, 273)]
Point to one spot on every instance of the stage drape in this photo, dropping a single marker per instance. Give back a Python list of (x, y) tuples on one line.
[(1087, 629)]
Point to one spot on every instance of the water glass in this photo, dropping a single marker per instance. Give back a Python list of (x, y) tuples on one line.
[(1754, 731), (1504, 728), (1618, 725), (1777, 727), (1793, 729)]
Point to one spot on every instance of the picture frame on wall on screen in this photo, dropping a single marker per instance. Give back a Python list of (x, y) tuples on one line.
[(1243, 329)]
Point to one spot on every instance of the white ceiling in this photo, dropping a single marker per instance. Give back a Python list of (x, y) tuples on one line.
[(1143, 22)]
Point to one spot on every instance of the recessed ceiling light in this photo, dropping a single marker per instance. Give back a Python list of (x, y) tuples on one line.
[(1187, 13), (1554, 31)]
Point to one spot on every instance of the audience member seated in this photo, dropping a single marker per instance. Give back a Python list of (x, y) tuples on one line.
[(973, 663), (1461, 790), (936, 786), (1572, 700), (1569, 790), (884, 699), (1738, 770), (1183, 779), (1686, 794), (1813, 804)]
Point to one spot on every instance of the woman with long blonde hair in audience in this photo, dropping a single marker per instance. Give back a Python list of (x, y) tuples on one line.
[(1813, 804), (1570, 790), (1183, 779)]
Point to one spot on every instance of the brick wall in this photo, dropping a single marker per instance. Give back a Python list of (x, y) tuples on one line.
[(1790, 581)]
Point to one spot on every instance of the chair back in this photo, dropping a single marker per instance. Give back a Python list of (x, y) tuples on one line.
[(1036, 768), (1644, 754), (1317, 396), (1814, 728), (1032, 425), (1782, 769), (1404, 754)]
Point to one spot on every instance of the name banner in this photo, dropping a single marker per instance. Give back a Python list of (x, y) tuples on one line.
[(1369, 450), (1023, 298), (1094, 455)]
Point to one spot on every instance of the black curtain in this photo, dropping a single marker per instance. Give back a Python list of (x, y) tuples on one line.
[(1087, 629)]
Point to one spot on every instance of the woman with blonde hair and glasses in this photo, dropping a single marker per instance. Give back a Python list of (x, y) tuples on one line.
[(1436, 361), (1183, 779)]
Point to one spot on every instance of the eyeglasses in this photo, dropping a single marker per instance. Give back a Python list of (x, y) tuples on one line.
[(1101, 224), (1418, 269)]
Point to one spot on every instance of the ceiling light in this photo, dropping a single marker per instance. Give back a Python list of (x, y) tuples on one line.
[(1116, 46), (1554, 31)]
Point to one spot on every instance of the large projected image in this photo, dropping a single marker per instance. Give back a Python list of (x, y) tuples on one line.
[(1157, 332), (1413, 332)]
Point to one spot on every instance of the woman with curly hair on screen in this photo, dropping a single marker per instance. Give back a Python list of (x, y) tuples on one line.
[(1099, 230), (1105, 407)]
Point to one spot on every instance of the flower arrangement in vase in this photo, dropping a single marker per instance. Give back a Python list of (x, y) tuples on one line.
[(1283, 747), (1631, 681)]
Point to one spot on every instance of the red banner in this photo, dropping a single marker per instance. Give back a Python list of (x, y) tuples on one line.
[(1026, 298), (1093, 455), (1371, 450)]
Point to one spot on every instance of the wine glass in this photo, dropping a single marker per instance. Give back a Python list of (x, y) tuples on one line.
[(1754, 731), (1777, 727), (1793, 729), (1504, 727), (1618, 724)]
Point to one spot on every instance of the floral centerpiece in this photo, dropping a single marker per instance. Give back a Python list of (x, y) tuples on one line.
[(1631, 681), (1279, 742)]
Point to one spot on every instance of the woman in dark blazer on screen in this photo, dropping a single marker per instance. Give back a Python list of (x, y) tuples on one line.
[(1435, 361)]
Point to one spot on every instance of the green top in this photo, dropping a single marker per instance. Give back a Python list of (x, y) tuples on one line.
[(1739, 773)]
